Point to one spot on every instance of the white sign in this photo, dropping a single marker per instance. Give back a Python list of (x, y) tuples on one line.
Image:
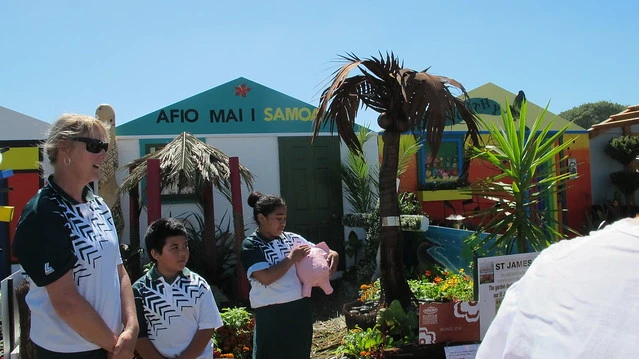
[(496, 274), (468, 351)]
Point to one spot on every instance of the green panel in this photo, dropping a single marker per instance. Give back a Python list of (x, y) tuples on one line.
[(238, 106), (311, 185)]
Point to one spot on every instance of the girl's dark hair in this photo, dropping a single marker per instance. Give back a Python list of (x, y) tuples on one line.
[(159, 231), (264, 203)]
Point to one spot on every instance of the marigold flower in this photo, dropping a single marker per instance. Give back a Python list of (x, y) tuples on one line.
[(428, 273), (461, 270), (437, 279), (364, 287)]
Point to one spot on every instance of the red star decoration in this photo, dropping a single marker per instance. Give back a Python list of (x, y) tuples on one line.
[(242, 90)]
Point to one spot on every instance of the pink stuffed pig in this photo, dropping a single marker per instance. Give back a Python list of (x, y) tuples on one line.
[(313, 270)]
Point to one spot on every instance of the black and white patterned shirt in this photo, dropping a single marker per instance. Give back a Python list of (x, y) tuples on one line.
[(55, 235), (170, 314), (258, 254)]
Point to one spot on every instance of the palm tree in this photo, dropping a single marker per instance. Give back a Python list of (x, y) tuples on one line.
[(406, 100), (187, 162)]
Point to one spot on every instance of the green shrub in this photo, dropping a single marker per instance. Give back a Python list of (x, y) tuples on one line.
[(439, 285), (364, 344), (236, 336)]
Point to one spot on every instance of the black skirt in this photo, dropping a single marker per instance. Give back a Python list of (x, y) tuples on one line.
[(283, 331)]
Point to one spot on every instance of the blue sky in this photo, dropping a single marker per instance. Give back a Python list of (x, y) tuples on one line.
[(70, 56)]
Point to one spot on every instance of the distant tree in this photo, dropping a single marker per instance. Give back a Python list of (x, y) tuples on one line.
[(592, 113)]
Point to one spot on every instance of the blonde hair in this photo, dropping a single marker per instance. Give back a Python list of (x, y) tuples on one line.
[(72, 125)]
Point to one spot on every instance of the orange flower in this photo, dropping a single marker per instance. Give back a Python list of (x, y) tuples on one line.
[(364, 287), (437, 279), (428, 273)]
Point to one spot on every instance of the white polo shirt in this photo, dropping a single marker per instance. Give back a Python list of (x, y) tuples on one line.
[(55, 235), (170, 314)]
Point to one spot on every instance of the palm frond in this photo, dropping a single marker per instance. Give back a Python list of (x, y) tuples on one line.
[(186, 162), (416, 101)]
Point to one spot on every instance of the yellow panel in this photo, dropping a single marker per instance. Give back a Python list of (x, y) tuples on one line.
[(6, 213), (442, 195), (20, 158)]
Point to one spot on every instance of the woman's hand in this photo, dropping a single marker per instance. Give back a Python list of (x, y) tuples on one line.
[(333, 261), (298, 253)]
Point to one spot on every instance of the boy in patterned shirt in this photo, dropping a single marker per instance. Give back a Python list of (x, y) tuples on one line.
[(175, 307)]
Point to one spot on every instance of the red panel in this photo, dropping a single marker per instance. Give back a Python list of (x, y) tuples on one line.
[(25, 185)]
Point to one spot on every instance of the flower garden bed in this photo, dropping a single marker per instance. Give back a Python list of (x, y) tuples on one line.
[(375, 332)]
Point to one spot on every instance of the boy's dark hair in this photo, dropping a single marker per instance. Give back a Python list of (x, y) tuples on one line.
[(159, 231), (264, 204)]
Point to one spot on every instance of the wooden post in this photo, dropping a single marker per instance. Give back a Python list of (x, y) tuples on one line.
[(134, 231)]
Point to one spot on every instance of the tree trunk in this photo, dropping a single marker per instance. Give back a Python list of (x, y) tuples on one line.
[(393, 280)]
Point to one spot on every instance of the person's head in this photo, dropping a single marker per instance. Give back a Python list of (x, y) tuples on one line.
[(167, 245), (269, 212), (77, 143)]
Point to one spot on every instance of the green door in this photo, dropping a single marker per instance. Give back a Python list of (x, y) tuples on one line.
[(311, 185)]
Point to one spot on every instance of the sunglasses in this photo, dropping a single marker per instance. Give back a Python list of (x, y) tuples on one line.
[(93, 145)]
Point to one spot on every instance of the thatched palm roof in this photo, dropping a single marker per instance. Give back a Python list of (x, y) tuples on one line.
[(187, 162)]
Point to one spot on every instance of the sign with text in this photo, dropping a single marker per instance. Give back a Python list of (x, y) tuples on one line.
[(495, 275), (468, 351), (240, 106), (448, 322)]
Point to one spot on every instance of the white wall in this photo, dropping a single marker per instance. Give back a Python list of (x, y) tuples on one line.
[(258, 153), (372, 160)]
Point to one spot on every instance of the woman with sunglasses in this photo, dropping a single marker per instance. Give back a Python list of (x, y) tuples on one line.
[(80, 295)]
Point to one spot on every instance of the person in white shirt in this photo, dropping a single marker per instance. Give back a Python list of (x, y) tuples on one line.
[(283, 316), (578, 299), (79, 292), (176, 308)]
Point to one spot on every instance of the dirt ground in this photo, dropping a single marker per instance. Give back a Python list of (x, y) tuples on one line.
[(330, 326)]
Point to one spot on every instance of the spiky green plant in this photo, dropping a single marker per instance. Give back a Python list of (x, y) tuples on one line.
[(360, 179), (530, 175)]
